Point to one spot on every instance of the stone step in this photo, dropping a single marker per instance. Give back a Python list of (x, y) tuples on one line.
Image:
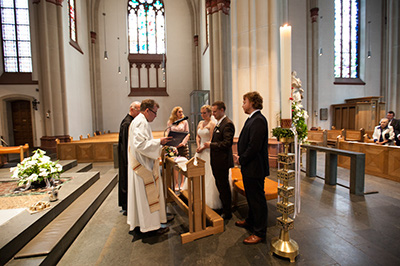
[(20, 229), (52, 242), (81, 167)]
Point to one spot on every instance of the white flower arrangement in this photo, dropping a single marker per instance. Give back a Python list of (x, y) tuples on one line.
[(36, 169)]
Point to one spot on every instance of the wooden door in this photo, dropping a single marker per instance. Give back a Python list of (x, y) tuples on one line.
[(22, 122)]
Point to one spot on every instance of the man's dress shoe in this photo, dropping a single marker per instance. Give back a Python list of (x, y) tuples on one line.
[(243, 224), (226, 216), (253, 239)]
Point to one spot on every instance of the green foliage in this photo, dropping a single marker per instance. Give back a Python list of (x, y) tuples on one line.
[(279, 133)]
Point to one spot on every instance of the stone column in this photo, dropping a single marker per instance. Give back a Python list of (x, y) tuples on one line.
[(220, 51), (390, 73), (255, 56), (52, 71), (312, 92)]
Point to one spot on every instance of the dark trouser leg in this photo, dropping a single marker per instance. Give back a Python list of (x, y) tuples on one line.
[(258, 209), (222, 182), (123, 188)]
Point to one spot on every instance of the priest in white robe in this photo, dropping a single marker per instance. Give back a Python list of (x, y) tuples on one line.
[(146, 202)]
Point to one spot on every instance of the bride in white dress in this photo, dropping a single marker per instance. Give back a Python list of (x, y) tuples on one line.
[(204, 134)]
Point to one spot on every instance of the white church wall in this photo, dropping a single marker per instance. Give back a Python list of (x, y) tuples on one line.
[(179, 71), (77, 75)]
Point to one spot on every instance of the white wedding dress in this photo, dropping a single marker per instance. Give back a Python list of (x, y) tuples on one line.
[(212, 195)]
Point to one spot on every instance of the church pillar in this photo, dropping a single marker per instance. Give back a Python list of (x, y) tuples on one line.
[(312, 91), (255, 56), (52, 71), (390, 74), (220, 52)]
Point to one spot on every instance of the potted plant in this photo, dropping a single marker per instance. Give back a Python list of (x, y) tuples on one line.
[(37, 171)]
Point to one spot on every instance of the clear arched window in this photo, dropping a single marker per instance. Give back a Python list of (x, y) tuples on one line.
[(16, 38), (146, 42), (347, 41)]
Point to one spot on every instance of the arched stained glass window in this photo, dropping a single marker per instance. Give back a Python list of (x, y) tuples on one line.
[(347, 39), (16, 36), (73, 27), (146, 42), (146, 27), (72, 20)]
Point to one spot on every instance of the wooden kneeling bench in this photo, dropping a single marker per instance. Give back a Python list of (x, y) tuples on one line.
[(270, 186), (16, 149)]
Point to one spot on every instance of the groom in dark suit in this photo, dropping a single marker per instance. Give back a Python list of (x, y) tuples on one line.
[(253, 159), (221, 156)]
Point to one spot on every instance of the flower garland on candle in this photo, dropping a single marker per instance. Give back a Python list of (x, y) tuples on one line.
[(299, 115)]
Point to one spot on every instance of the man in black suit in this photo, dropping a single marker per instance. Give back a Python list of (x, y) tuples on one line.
[(395, 123), (253, 159), (134, 110), (221, 156)]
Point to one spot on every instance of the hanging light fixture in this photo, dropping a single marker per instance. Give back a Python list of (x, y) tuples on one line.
[(119, 60), (320, 46), (105, 35), (369, 40)]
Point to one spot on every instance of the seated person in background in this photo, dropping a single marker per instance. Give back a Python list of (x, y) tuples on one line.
[(383, 134), (395, 123)]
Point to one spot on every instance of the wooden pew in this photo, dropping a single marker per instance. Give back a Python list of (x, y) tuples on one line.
[(333, 135), (317, 137), (354, 135), (16, 149), (270, 186)]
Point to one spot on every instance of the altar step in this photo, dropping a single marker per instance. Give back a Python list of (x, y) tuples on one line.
[(86, 190), (50, 244)]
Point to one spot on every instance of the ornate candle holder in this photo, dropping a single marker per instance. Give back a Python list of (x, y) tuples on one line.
[(283, 245)]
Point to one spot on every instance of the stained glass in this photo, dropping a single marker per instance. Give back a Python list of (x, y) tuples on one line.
[(22, 16), (346, 39), (8, 32), (10, 64), (25, 64), (10, 48), (23, 33), (7, 16), (7, 3), (72, 20), (151, 30), (16, 36), (24, 49), (133, 37), (146, 27), (21, 4)]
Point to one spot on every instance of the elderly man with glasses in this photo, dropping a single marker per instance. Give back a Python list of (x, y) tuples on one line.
[(146, 203)]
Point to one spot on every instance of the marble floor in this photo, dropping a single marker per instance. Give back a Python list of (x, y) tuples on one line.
[(333, 228)]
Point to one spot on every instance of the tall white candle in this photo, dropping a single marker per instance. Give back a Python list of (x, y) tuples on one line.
[(286, 70)]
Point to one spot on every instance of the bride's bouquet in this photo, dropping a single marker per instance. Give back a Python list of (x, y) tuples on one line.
[(171, 151)]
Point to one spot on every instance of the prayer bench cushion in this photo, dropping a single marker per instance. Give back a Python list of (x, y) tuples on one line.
[(270, 186)]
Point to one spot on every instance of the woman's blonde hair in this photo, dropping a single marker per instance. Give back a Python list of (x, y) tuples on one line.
[(173, 116), (207, 107)]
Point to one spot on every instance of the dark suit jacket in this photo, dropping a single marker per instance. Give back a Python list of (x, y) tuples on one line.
[(396, 127), (123, 160), (221, 144), (253, 147)]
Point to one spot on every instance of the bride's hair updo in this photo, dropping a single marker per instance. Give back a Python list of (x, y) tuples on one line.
[(206, 107)]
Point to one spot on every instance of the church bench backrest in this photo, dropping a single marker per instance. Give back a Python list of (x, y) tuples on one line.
[(317, 137), (355, 135)]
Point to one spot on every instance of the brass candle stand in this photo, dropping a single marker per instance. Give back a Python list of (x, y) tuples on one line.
[(284, 246)]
